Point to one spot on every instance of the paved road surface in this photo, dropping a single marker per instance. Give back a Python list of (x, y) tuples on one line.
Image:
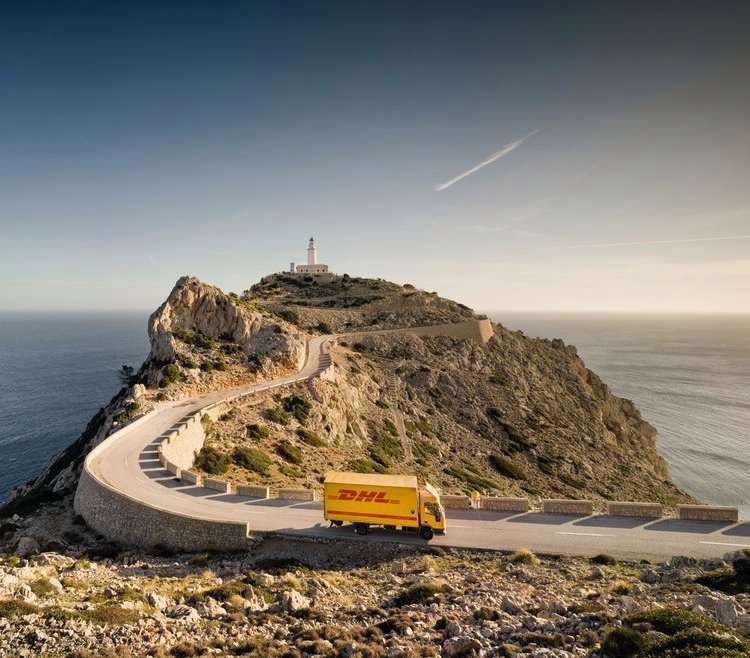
[(129, 463)]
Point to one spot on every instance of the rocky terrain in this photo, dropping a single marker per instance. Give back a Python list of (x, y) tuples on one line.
[(298, 599)]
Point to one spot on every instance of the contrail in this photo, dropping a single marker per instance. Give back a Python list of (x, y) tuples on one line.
[(642, 242), (495, 156)]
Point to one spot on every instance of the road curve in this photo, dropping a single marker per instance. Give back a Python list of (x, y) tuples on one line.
[(127, 463)]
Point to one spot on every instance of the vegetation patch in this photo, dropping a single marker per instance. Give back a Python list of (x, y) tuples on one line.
[(623, 642), (252, 459), (257, 432), (506, 467), (734, 579), (366, 466), (473, 480), (290, 471), (213, 461), (13, 608), (194, 338), (169, 374), (277, 415), (524, 556), (424, 593), (290, 452), (310, 437), (298, 406), (385, 449)]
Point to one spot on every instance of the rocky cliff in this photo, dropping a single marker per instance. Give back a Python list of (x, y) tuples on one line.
[(515, 416)]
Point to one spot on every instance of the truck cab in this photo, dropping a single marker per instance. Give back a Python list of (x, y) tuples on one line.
[(431, 512)]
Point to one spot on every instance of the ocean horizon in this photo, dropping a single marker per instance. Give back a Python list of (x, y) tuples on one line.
[(689, 375)]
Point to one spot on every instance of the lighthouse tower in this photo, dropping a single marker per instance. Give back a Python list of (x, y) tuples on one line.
[(312, 252), (313, 266)]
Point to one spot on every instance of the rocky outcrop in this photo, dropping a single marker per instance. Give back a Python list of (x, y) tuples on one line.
[(197, 307)]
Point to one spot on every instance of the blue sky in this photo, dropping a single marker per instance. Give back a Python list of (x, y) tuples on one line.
[(143, 141)]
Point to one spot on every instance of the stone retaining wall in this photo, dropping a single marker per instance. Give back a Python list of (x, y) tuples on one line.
[(184, 443), (504, 504), (707, 513), (191, 478), (133, 522), (641, 510), (565, 506)]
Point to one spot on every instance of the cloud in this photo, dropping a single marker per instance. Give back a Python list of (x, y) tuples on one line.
[(643, 242), (495, 156)]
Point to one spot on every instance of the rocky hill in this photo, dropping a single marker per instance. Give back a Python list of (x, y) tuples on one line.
[(517, 416)]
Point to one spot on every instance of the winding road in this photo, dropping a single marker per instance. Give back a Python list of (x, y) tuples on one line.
[(127, 462)]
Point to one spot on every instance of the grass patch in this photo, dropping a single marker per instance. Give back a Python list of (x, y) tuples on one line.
[(13, 608), (290, 452), (290, 471), (506, 467), (623, 643), (734, 579), (310, 437), (213, 461), (194, 338), (298, 406), (424, 593), (523, 556), (257, 432), (473, 480), (277, 415), (385, 449), (366, 466), (252, 459)]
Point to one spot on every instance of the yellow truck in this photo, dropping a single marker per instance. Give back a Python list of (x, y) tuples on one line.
[(366, 499)]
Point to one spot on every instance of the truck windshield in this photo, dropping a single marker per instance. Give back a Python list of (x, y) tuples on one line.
[(434, 510)]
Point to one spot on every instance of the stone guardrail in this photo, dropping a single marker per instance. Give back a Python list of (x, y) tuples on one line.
[(191, 478), (297, 494), (707, 513), (252, 491), (504, 504), (640, 510), (566, 506), (217, 485), (455, 502)]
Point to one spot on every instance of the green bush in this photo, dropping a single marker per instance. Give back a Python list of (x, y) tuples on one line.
[(290, 452), (310, 437), (252, 459), (623, 643), (604, 558), (213, 461), (170, 374), (290, 471), (277, 415), (366, 466), (471, 479), (390, 427), (298, 406), (257, 432), (382, 404), (695, 643), (194, 338), (385, 449), (424, 593), (506, 467)]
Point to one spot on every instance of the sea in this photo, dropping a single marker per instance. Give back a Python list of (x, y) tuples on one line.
[(689, 376)]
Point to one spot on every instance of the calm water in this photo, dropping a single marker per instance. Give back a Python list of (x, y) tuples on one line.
[(690, 378), (56, 371)]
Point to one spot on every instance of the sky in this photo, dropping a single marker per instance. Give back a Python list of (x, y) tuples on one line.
[(559, 156)]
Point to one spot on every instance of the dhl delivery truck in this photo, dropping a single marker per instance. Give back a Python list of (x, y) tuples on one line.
[(366, 499)]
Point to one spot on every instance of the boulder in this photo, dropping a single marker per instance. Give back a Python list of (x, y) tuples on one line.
[(27, 546), (462, 646), (292, 601)]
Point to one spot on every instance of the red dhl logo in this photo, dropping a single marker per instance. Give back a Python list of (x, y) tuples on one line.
[(363, 496)]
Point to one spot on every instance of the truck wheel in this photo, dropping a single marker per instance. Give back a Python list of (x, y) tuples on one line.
[(425, 532), (338, 524), (361, 528)]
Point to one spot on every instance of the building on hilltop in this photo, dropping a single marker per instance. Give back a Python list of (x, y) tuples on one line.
[(313, 266)]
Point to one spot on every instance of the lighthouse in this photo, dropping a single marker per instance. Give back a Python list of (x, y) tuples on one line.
[(313, 266), (312, 252)]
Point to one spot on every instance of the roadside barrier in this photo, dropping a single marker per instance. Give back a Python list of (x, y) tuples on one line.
[(191, 478), (217, 485), (297, 494), (252, 491), (455, 502), (707, 513), (641, 510), (503, 504), (565, 506)]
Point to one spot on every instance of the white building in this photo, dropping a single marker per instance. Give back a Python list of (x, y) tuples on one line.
[(313, 266)]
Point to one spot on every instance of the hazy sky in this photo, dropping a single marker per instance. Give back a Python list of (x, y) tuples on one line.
[(530, 155)]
